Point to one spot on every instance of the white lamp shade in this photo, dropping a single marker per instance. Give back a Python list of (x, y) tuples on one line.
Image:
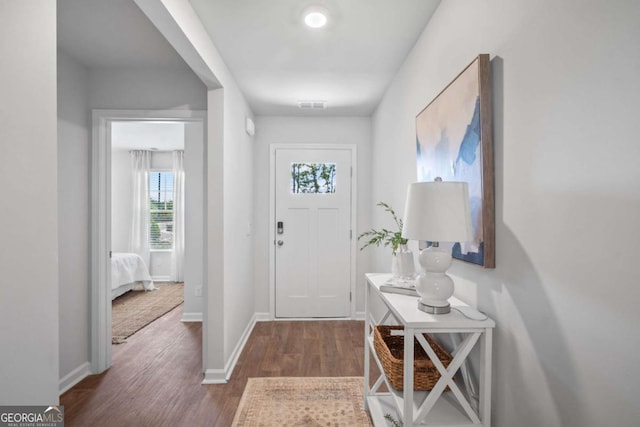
[(438, 212)]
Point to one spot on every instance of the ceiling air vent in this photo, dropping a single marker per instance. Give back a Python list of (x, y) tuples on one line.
[(312, 105)]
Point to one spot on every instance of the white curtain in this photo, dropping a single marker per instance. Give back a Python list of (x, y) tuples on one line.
[(139, 237), (177, 258)]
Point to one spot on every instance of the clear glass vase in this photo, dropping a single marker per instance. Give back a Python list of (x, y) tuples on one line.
[(402, 266)]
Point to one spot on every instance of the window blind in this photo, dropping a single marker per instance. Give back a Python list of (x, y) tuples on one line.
[(161, 210)]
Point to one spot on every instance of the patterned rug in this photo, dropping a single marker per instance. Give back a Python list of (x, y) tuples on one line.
[(302, 402), (134, 310)]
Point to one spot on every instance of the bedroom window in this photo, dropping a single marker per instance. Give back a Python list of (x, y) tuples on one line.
[(160, 210)]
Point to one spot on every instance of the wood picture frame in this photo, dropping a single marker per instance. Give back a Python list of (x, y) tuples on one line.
[(454, 141)]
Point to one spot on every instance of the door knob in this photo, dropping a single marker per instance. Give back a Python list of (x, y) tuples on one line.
[(280, 243)]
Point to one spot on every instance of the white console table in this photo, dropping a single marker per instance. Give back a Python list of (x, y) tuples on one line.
[(468, 403)]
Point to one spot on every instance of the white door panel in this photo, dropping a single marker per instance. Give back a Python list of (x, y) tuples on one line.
[(313, 265)]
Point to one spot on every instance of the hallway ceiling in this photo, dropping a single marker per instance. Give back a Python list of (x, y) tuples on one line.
[(274, 58), (112, 33)]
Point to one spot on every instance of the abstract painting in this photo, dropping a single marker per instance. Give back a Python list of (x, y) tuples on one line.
[(454, 142)]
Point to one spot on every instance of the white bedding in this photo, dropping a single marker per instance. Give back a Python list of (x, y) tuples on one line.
[(127, 270)]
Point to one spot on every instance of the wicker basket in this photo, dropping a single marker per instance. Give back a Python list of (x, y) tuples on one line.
[(390, 350)]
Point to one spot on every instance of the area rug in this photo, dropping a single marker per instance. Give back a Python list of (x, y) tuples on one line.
[(136, 309), (302, 402)]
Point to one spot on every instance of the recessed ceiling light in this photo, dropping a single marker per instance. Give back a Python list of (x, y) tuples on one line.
[(316, 17)]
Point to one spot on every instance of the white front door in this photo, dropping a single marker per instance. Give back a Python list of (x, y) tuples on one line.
[(313, 232)]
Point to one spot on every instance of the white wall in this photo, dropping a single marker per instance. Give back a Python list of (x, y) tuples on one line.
[(238, 217), (146, 88), (564, 294), (306, 130), (29, 251), (73, 212), (213, 316), (194, 220), (121, 200)]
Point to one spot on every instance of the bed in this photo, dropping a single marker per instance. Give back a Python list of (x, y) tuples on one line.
[(127, 271)]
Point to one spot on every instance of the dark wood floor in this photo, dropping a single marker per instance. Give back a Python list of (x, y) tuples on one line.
[(155, 378)]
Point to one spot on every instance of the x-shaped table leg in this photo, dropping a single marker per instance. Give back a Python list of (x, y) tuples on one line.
[(446, 378)]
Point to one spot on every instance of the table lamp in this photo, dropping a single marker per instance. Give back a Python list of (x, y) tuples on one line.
[(436, 212)]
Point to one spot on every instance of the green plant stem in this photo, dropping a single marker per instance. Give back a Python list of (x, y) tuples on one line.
[(384, 236)]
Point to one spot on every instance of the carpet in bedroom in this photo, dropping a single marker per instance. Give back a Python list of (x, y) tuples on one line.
[(136, 309)]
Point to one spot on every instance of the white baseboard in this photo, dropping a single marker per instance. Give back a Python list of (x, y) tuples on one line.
[(266, 317), (74, 377), (215, 376), (161, 278), (191, 317), (231, 363), (262, 317), (221, 376), (310, 319)]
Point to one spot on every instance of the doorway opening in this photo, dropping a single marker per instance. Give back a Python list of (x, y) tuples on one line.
[(147, 223), (147, 220)]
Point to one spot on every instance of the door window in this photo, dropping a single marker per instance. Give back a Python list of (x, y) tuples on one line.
[(314, 178)]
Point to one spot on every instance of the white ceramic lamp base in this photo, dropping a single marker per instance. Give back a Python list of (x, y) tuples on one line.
[(433, 284)]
